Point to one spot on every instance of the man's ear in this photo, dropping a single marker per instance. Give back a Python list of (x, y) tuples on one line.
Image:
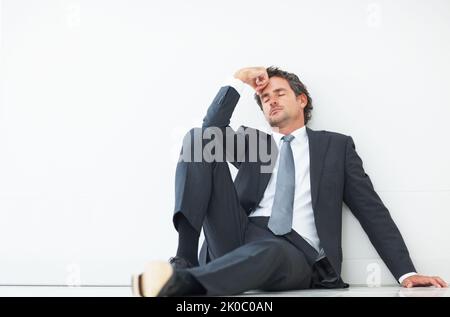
[(302, 100)]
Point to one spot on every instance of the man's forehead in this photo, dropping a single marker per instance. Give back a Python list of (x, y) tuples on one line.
[(275, 83)]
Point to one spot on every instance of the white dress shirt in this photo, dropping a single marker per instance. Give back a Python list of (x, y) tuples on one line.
[(303, 215)]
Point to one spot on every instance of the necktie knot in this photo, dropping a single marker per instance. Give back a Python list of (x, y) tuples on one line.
[(288, 138)]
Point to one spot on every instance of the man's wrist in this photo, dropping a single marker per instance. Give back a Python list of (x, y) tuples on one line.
[(405, 276)]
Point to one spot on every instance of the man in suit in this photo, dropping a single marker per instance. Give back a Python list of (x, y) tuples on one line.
[(278, 225)]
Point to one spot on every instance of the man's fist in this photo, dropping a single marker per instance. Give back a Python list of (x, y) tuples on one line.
[(256, 77)]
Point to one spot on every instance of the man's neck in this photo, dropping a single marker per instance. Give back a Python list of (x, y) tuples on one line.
[(288, 129)]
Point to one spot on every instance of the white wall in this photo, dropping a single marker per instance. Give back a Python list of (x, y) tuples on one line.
[(96, 96)]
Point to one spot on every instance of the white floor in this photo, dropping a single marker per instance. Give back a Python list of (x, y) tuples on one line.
[(123, 291)]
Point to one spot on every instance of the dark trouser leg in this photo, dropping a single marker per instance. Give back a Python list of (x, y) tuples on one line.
[(269, 265), (187, 241), (206, 197)]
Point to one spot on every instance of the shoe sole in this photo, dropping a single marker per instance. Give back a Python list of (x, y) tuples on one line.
[(150, 283), (135, 286)]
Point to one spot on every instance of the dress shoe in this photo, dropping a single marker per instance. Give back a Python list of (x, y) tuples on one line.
[(160, 279)]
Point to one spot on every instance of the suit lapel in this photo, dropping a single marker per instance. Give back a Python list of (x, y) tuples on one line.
[(318, 144)]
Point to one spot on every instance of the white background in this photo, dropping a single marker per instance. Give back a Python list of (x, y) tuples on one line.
[(96, 96)]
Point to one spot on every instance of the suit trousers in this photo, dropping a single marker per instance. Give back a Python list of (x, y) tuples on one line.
[(242, 253)]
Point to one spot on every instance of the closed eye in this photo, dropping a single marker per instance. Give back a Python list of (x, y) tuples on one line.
[(279, 92)]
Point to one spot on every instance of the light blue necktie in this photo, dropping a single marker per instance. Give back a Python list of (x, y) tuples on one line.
[(280, 221)]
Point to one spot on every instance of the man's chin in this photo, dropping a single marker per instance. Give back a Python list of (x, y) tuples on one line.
[(275, 122)]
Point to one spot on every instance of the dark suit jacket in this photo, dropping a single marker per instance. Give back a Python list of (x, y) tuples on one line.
[(337, 176)]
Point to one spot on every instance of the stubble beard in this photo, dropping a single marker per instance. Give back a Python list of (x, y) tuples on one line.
[(277, 120)]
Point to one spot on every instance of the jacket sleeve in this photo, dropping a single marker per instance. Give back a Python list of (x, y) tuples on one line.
[(375, 219), (217, 120)]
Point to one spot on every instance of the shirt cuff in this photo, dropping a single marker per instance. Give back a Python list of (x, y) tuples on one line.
[(237, 84), (404, 276)]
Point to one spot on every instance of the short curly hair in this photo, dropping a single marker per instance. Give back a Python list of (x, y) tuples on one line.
[(296, 85)]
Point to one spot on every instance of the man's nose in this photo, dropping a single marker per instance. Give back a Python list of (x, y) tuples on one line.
[(273, 102)]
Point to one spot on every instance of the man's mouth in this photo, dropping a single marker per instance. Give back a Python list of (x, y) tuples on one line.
[(275, 110)]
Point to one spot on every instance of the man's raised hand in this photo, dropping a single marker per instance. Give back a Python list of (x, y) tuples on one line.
[(256, 77)]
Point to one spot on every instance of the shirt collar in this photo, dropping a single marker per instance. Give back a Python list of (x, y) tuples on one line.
[(299, 134)]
